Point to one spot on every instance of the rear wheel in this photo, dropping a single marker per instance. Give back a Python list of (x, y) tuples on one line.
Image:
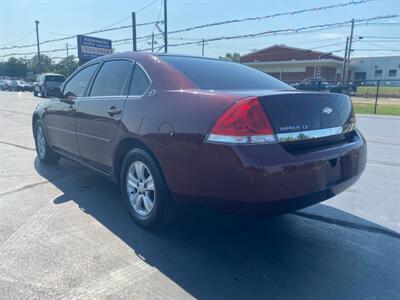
[(35, 93), (145, 192), (44, 153)]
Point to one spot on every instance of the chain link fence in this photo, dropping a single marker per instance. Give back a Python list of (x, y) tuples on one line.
[(380, 96)]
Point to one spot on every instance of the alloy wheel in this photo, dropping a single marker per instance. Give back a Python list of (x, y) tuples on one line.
[(140, 188), (41, 142)]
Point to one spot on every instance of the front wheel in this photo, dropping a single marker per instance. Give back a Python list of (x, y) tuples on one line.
[(44, 153), (42, 93), (145, 192)]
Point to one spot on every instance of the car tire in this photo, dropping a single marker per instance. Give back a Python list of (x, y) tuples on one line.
[(44, 152), (35, 94), (145, 191), (42, 94)]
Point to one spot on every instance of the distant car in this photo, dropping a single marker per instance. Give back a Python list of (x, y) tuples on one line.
[(7, 85), (23, 86), (2, 84), (46, 82), (317, 84), (177, 129), (13, 85)]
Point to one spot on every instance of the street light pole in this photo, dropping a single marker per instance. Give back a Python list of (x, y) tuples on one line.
[(152, 42), (165, 28), (349, 50), (134, 31), (38, 47), (344, 67), (202, 48)]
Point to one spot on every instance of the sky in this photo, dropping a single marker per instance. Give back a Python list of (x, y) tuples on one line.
[(62, 18)]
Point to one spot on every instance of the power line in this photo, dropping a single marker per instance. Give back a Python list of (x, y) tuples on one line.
[(252, 35), (23, 37), (372, 44), (377, 37), (203, 25), (289, 13), (118, 22), (386, 24), (74, 36), (146, 6), (377, 50), (295, 30), (55, 33), (305, 29), (128, 17)]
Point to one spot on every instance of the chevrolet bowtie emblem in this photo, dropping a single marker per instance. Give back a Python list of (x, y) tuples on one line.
[(327, 110)]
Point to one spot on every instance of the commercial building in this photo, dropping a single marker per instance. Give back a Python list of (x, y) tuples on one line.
[(295, 64), (364, 69), (292, 64)]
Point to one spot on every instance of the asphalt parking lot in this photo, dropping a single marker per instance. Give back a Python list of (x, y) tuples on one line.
[(65, 233)]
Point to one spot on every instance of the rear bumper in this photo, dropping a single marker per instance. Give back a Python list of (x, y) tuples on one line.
[(269, 180)]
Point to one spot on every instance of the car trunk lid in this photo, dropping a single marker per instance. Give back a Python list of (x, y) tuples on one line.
[(300, 116)]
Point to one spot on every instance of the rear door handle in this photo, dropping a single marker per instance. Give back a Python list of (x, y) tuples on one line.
[(114, 111)]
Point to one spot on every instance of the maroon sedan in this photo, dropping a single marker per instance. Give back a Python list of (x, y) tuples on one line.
[(175, 130)]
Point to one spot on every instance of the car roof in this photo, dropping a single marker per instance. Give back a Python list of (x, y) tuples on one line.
[(140, 55)]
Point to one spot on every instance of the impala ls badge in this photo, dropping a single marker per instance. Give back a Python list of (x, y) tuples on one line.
[(327, 110)]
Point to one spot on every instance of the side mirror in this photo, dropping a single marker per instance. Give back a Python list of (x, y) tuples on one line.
[(54, 93)]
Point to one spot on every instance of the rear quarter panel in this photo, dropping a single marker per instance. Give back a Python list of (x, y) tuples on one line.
[(173, 124)]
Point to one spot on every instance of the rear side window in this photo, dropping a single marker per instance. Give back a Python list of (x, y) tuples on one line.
[(111, 78), (76, 86), (56, 78), (217, 74), (140, 82)]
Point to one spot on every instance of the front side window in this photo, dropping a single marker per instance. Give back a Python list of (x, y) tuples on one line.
[(140, 82), (76, 86), (111, 78)]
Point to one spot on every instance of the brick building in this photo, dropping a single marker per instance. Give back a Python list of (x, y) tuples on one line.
[(295, 64)]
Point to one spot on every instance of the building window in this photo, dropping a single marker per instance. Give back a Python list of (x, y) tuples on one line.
[(392, 73), (360, 75), (378, 73)]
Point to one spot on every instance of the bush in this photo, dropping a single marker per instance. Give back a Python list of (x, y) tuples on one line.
[(385, 91)]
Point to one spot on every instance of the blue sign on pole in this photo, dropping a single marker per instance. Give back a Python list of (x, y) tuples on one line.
[(92, 47)]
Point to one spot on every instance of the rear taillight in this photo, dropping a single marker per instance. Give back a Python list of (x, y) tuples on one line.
[(350, 124), (243, 123)]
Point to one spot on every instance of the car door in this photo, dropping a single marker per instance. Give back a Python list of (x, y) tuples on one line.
[(98, 116), (59, 118)]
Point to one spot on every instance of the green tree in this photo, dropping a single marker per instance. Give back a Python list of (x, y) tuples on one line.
[(66, 66), (46, 64), (13, 67), (231, 57)]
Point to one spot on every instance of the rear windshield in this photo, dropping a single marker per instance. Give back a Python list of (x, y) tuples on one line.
[(212, 74), (57, 78)]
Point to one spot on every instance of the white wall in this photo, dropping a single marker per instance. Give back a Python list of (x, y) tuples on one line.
[(370, 64)]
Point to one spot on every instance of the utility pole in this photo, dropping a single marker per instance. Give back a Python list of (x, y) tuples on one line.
[(134, 31), (38, 47), (202, 48), (344, 67), (152, 42), (349, 50), (165, 28), (67, 49)]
